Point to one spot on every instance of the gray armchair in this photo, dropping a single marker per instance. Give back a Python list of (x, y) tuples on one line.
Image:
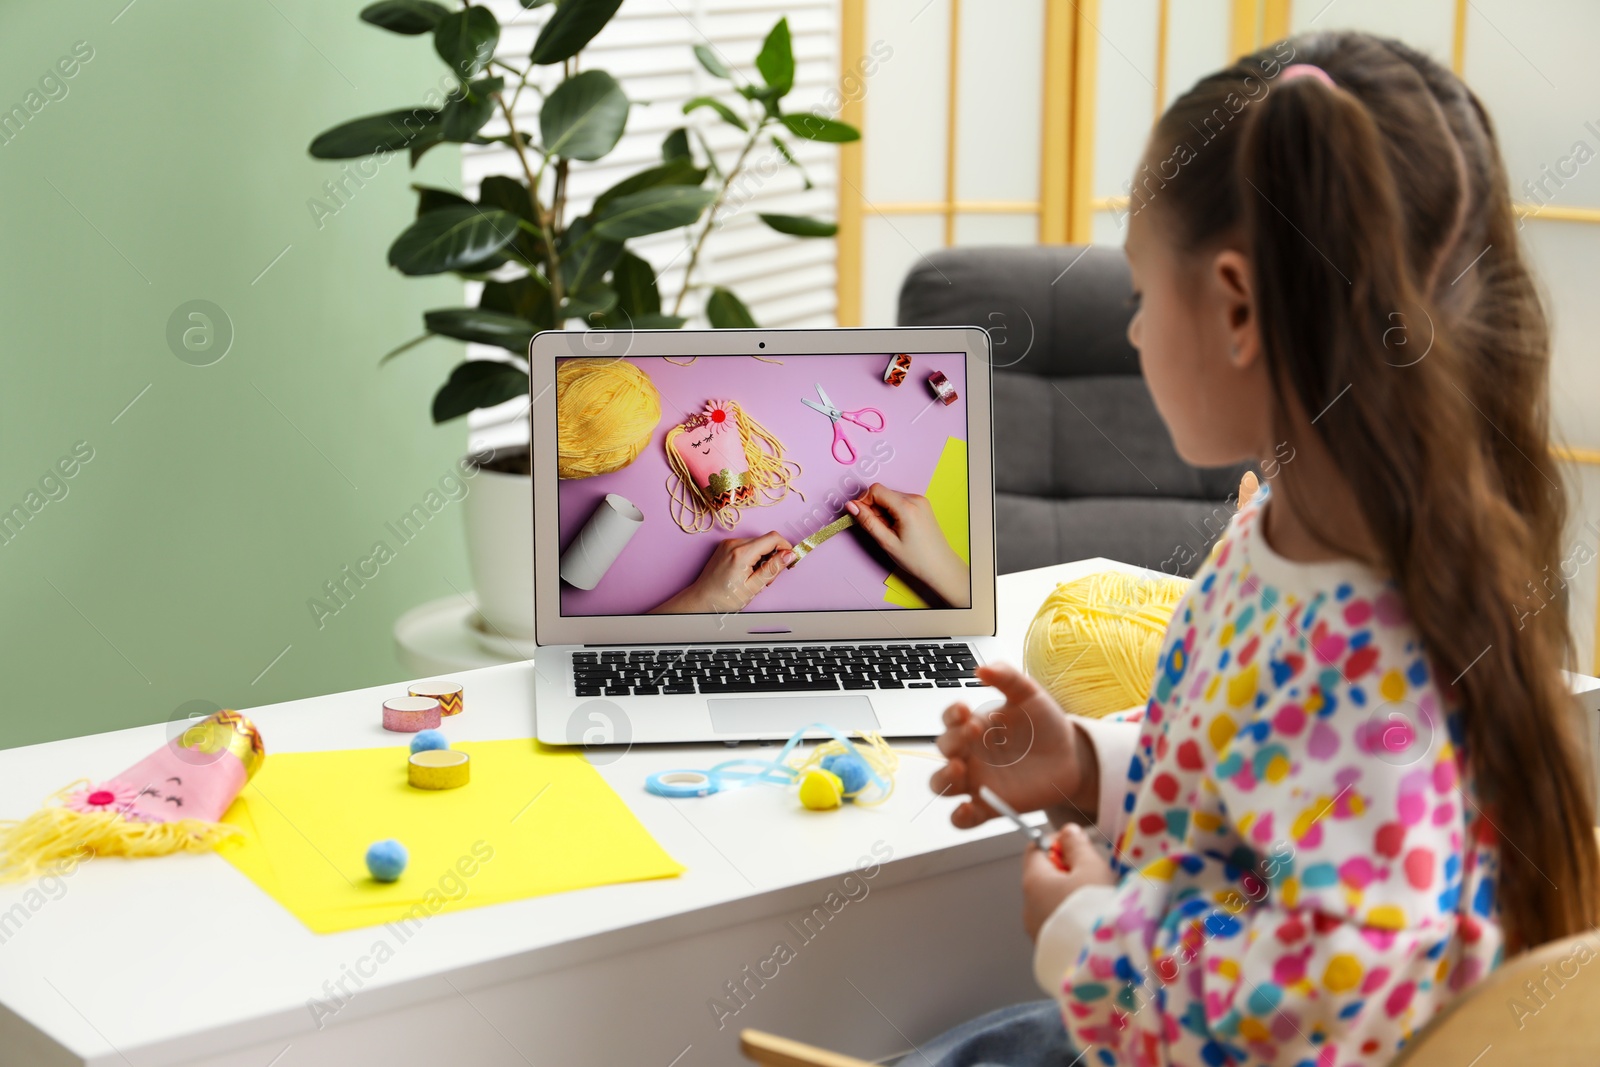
[(1083, 464)]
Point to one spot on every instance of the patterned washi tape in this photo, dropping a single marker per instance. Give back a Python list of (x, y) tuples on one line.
[(801, 550), (942, 388), (899, 366), (440, 768), (451, 697), (407, 715)]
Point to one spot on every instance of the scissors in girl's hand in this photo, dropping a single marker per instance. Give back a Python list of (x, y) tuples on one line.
[(869, 419)]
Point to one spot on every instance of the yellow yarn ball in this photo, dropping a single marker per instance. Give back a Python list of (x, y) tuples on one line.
[(606, 413), (1095, 643), (821, 790)]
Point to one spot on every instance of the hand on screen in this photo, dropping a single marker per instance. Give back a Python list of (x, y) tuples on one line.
[(739, 568), (904, 525)]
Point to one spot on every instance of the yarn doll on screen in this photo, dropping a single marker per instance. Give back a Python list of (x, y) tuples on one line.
[(722, 461)]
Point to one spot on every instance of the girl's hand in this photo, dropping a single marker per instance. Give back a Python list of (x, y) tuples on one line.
[(1027, 750), (1045, 886), (904, 525), (739, 568)]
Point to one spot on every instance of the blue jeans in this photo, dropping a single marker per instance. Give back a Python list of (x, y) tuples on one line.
[(1023, 1035)]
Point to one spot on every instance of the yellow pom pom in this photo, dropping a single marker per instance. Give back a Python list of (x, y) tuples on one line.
[(821, 790), (606, 413), (1095, 642)]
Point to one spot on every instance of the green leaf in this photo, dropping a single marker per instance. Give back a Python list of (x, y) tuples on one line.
[(712, 62), (388, 132), (527, 297), (466, 40), (466, 113), (652, 211), (480, 383), (817, 128), (430, 198), (676, 146), (534, 3), (409, 17), (451, 238), (634, 279), (776, 59), (800, 226), (719, 107), (585, 255), (788, 157), (590, 303), (681, 171), (507, 194), (420, 147), (585, 116), (572, 26), (510, 332), (727, 312), (658, 322)]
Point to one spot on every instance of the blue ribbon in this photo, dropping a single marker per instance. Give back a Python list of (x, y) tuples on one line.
[(737, 773)]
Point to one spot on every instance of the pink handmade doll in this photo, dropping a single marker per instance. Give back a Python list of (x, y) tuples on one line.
[(170, 801), (723, 460)]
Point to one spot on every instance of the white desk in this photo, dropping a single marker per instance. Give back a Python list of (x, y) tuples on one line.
[(183, 960)]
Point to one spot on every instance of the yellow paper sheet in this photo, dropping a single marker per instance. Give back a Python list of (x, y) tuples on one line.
[(533, 820), (947, 492)]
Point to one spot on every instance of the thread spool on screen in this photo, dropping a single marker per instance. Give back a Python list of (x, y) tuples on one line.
[(1095, 643), (600, 541)]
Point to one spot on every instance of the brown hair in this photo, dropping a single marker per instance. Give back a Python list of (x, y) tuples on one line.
[(1392, 298)]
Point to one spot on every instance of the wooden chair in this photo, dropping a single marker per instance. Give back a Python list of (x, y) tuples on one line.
[(1485, 1027)]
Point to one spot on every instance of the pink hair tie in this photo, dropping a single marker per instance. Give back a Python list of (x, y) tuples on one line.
[(1306, 70)]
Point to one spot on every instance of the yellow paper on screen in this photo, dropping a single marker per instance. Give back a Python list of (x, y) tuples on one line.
[(532, 821), (947, 493)]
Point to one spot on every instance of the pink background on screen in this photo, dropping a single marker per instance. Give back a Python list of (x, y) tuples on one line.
[(842, 574)]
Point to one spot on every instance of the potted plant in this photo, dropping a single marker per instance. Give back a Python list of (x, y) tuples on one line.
[(541, 268)]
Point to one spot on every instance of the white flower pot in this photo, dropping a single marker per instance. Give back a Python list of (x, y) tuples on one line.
[(499, 520)]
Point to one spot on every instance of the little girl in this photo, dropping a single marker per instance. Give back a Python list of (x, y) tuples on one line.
[(1356, 785)]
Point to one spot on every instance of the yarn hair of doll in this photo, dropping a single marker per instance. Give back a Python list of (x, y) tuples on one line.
[(606, 413), (770, 476), (1095, 642)]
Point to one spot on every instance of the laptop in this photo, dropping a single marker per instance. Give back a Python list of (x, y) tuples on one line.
[(698, 575)]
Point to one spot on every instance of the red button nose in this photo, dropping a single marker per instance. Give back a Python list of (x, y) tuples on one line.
[(101, 797)]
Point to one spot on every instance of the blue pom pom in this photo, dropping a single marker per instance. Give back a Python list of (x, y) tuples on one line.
[(427, 740), (851, 769), (386, 860)]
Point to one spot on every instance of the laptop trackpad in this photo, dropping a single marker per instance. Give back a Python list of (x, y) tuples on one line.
[(785, 715)]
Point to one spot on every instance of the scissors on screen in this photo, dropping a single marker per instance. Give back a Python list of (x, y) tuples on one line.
[(869, 419)]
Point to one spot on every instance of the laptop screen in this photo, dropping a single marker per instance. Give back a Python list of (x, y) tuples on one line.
[(720, 484)]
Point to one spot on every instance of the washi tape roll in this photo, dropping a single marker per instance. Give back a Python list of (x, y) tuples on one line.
[(942, 388), (407, 715), (440, 768), (451, 697), (899, 366), (680, 784)]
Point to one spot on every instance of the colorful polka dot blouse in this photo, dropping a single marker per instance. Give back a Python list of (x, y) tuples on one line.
[(1305, 875)]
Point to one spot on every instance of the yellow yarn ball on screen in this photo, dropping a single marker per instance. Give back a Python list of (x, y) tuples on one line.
[(1095, 643), (606, 413)]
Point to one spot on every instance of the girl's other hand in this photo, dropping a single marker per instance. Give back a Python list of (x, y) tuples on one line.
[(1045, 886), (904, 524), (739, 568), (1027, 750)]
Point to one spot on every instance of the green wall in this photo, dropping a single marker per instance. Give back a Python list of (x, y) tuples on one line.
[(180, 560)]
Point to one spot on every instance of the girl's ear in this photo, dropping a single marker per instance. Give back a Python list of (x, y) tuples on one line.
[(1235, 299)]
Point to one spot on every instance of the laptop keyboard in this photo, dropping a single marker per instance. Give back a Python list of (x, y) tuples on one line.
[(781, 668)]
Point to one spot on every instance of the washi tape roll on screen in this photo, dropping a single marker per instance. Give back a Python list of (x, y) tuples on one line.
[(440, 768), (899, 366), (451, 697), (407, 715), (942, 388)]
